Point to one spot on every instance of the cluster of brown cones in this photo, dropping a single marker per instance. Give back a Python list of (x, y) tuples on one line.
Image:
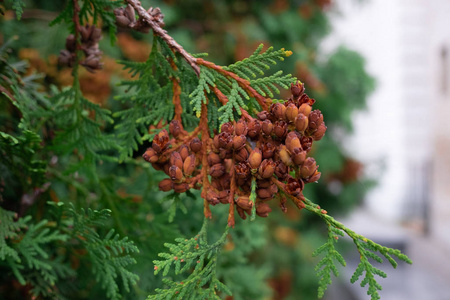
[(268, 152), (89, 38), (126, 18)]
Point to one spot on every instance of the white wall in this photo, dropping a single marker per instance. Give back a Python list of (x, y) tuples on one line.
[(393, 134), (439, 33)]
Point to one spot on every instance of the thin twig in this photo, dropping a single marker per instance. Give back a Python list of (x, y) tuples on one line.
[(231, 220), (186, 140), (223, 100), (147, 18), (194, 180), (298, 202), (245, 84), (76, 21), (7, 93), (176, 100), (246, 115), (205, 140)]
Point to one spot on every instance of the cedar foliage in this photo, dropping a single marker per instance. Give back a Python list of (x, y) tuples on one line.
[(64, 159)]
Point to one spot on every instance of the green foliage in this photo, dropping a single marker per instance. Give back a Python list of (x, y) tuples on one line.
[(18, 161), (22, 91), (366, 248), (177, 201), (9, 70), (250, 69), (79, 124), (24, 248), (17, 6), (53, 141), (248, 281), (347, 87), (259, 62), (9, 230), (31, 248), (150, 97), (57, 137), (205, 80), (326, 266), (194, 253), (371, 271), (18, 148), (94, 10), (241, 267), (151, 92), (110, 256), (235, 101)]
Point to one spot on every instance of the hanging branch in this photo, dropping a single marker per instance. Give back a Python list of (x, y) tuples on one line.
[(253, 160), (144, 15)]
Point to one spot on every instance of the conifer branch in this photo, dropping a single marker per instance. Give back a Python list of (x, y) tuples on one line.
[(365, 247), (245, 84), (24, 245), (237, 167), (110, 256), (163, 35), (9, 230), (224, 100), (18, 6), (234, 86), (192, 254), (326, 266)]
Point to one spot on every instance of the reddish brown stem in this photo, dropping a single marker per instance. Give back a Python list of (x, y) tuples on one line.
[(6, 92), (76, 21), (298, 202), (176, 100), (193, 181), (245, 84), (231, 220), (184, 141), (205, 140), (223, 100), (246, 115), (147, 18)]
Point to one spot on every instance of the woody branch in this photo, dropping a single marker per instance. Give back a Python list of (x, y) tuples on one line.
[(149, 20)]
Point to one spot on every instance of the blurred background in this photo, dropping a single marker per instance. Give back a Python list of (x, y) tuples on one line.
[(380, 73), (403, 136)]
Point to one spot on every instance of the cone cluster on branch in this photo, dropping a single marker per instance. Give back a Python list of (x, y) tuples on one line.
[(89, 38), (126, 18), (271, 150)]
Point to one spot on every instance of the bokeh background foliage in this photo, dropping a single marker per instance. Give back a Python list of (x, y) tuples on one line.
[(265, 259)]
